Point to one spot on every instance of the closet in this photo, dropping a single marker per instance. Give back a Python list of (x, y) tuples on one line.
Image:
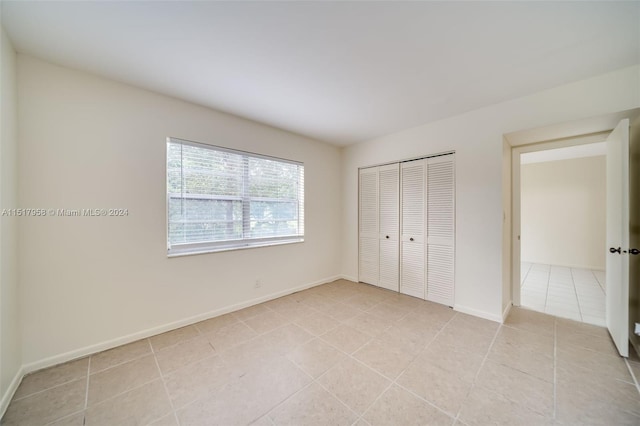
[(379, 226), (407, 227)]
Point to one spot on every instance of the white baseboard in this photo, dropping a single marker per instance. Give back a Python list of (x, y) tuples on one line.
[(477, 313), (99, 347), (574, 266), (13, 387), (506, 311), (349, 278)]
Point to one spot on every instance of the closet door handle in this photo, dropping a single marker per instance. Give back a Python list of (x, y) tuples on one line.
[(614, 250), (634, 251), (411, 239)]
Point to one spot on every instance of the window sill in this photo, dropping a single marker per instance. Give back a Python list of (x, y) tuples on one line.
[(177, 252)]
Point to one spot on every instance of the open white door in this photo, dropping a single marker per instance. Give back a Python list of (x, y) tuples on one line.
[(617, 263)]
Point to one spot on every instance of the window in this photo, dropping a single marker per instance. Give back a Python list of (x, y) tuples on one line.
[(222, 199)]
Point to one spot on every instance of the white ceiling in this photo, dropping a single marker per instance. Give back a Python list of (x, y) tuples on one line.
[(341, 72)]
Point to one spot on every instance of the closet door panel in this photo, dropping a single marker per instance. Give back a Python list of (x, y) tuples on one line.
[(389, 185), (440, 273), (412, 269), (369, 250), (413, 199), (440, 229), (389, 265), (389, 219), (412, 263), (369, 261)]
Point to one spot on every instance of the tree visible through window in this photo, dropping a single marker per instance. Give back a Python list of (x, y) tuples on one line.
[(223, 199)]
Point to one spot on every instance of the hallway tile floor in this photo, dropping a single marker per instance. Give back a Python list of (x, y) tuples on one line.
[(574, 293)]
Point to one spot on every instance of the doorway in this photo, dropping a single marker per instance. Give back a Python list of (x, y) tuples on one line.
[(563, 230), (622, 286)]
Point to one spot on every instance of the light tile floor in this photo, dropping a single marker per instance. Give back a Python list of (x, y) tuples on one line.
[(573, 293), (344, 354)]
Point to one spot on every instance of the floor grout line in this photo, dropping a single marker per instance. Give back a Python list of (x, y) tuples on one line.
[(486, 355), (633, 376), (86, 396), (349, 355), (47, 389), (395, 381), (120, 364), (546, 295), (575, 290), (67, 416), (555, 367), (522, 280), (598, 281), (164, 385), (128, 390), (391, 383), (314, 337), (484, 360)]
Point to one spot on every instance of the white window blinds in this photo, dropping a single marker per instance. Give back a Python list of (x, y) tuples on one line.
[(221, 199)]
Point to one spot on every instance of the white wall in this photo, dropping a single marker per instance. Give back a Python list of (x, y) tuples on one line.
[(87, 283), (563, 212), (10, 356), (477, 138)]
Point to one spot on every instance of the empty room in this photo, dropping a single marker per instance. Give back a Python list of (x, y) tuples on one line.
[(319, 213)]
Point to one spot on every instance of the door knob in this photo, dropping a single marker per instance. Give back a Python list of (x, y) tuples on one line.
[(614, 250), (387, 237), (634, 251), (411, 239)]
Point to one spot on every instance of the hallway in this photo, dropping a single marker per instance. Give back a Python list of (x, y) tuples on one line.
[(573, 293)]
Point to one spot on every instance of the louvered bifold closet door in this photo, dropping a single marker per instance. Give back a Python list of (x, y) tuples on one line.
[(440, 229), (369, 250), (389, 204), (412, 228)]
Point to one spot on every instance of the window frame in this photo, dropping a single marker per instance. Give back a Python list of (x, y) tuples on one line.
[(184, 249)]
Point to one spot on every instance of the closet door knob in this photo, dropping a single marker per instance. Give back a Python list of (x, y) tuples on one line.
[(614, 250), (411, 239), (387, 237), (634, 251)]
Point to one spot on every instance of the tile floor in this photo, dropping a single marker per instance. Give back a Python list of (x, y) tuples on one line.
[(344, 354), (573, 293)]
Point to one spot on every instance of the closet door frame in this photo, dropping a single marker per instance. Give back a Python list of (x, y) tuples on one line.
[(427, 242)]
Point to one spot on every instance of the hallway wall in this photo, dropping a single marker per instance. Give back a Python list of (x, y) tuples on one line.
[(564, 212)]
